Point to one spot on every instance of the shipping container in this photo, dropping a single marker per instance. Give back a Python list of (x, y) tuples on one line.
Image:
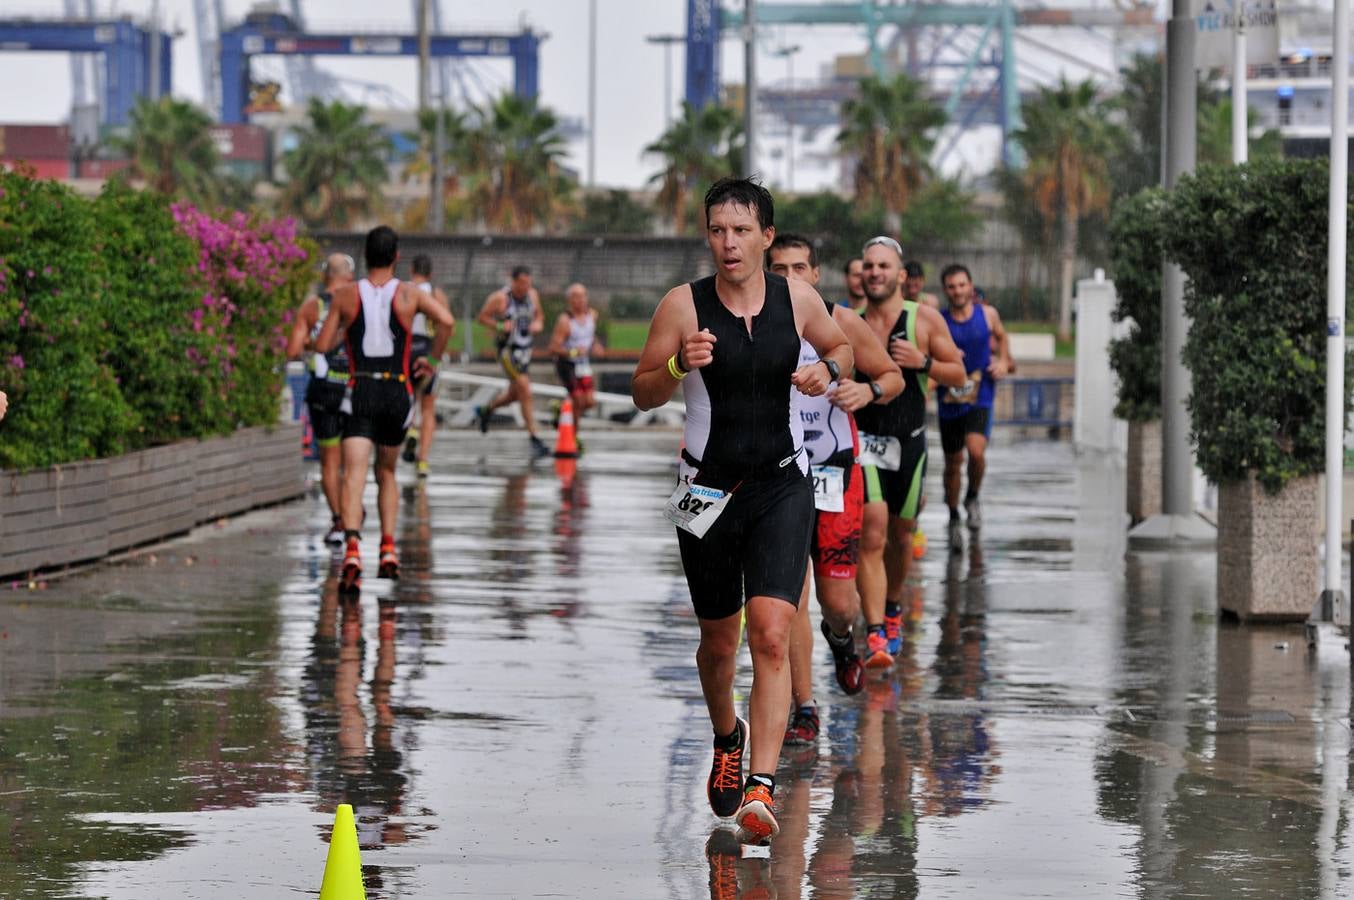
[(101, 168), (60, 169), (35, 142), (247, 143)]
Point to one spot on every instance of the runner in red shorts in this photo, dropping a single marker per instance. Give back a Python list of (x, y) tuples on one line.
[(829, 437)]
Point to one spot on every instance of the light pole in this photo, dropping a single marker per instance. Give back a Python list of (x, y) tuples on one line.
[(789, 55), (750, 86), (667, 40)]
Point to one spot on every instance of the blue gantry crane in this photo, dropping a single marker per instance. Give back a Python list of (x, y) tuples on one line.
[(127, 50), (995, 48), (273, 33)]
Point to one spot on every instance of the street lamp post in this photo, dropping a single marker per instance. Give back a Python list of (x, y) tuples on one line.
[(788, 53), (667, 40)]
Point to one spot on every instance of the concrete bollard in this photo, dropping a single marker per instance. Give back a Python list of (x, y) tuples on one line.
[(1094, 426)]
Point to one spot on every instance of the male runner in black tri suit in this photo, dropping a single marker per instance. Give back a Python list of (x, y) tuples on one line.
[(377, 314), (743, 506)]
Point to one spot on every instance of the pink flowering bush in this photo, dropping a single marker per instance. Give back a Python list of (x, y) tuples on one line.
[(126, 322)]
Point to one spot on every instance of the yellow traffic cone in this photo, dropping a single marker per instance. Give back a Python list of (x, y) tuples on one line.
[(343, 868)]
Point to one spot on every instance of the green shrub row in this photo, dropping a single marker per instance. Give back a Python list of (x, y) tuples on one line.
[(127, 322), (1252, 241)]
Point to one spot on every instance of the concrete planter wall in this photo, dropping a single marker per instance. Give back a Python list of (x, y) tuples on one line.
[(1144, 470), (1268, 561), (87, 510)]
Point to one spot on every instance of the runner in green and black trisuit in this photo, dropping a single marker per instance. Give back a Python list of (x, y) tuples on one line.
[(893, 443)]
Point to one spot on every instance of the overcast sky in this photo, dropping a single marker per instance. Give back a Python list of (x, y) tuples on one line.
[(630, 71)]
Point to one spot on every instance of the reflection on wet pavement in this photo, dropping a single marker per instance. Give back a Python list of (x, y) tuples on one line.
[(519, 715)]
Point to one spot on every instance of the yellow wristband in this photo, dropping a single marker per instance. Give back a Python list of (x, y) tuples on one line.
[(673, 370)]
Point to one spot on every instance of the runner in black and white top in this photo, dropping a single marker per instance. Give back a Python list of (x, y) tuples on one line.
[(324, 391), (515, 316), (743, 504), (376, 316), (572, 343), (830, 441), (419, 439), (894, 443)]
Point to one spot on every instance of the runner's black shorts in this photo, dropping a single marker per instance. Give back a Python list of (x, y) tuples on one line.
[(323, 399), (566, 369), (759, 546), (514, 360), (419, 345), (381, 411), (978, 420), (901, 491)]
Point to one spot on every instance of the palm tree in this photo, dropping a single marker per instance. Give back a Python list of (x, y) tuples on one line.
[(702, 146), (1068, 141), (338, 167), (890, 130), (510, 165), (1215, 134), (457, 126), (170, 147)]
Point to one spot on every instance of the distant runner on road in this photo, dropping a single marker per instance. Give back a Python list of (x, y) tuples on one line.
[(893, 443), (324, 391), (515, 316), (855, 286), (419, 440), (965, 410), (839, 493), (573, 342), (743, 504), (377, 316), (914, 285)]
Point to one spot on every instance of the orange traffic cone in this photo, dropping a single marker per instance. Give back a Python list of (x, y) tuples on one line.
[(566, 444)]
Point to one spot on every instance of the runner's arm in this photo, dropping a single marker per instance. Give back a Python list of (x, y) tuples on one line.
[(559, 336), (947, 362), (491, 314), (1003, 365), (538, 317), (328, 337), (871, 361), (438, 312), (653, 383), (824, 336), (300, 329)]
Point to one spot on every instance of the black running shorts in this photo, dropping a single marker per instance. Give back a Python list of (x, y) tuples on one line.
[(323, 399), (381, 412), (759, 547), (978, 420)]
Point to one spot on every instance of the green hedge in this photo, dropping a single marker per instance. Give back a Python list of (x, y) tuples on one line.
[(126, 322), (1135, 261), (1253, 241)]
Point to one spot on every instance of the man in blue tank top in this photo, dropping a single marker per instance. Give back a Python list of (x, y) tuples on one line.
[(966, 412), (744, 504)]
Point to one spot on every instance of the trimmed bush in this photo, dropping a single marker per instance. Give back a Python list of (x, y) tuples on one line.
[(125, 323), (1135, 262), (1253, 241)]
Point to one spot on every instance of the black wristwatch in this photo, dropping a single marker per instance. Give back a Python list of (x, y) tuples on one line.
[(877, 391), (926, 364), (832, 368)]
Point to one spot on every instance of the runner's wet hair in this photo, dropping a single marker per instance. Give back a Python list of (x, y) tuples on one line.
[(846, 269), (518, 271), (913, 269), (382, 246), (423, 265), (788, 241), (954, 269), (742, 192)]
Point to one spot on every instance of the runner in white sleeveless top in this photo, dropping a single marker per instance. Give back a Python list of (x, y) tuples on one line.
[(419, 439), (572, 343)]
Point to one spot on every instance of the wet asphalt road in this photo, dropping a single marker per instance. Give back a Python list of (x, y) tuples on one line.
[(519, 716)]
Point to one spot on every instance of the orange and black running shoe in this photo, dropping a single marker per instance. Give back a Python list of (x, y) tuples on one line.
[(724, 787), (389, 566)]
